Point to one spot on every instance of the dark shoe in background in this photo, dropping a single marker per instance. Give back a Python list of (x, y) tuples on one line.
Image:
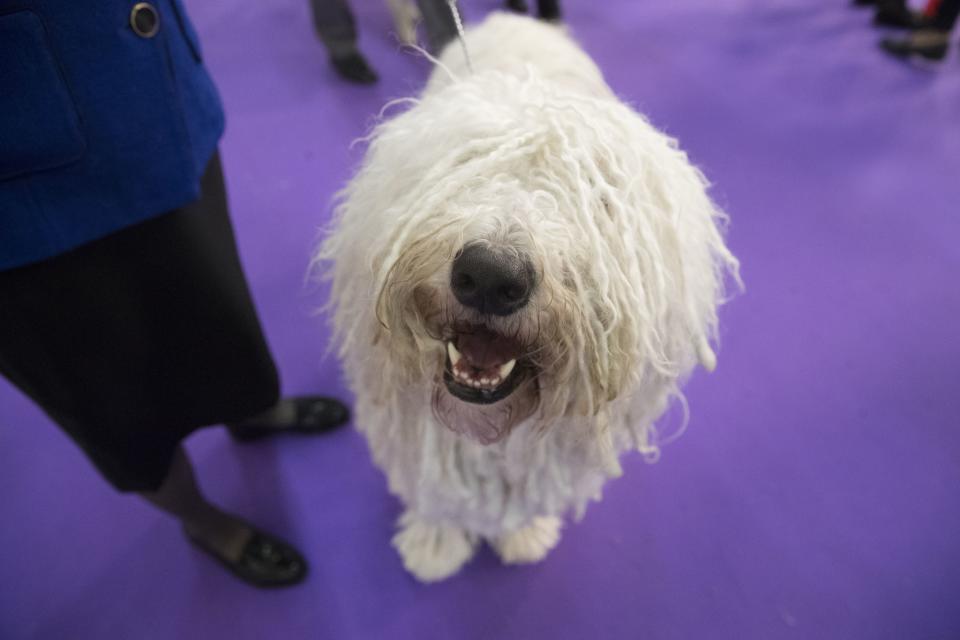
[(549, 10), (897, 14), (929, 44), (354, 68)]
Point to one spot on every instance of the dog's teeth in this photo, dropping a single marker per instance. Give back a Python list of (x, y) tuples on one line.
[(505, 369), (453, 353), (484, 380), (495, 380)]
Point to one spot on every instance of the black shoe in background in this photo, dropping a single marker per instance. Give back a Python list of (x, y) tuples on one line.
[(897, 14), (549, 10), (354, 68), (913, 46)]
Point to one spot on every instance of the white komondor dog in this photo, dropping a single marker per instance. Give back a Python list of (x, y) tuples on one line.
[(524, 271)]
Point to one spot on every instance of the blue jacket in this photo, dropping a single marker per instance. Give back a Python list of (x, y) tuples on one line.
[(102, 125)]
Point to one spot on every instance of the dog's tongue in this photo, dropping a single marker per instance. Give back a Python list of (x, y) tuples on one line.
[(486, 349)]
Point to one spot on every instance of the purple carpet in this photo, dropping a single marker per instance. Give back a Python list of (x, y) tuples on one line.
[(816, 493)]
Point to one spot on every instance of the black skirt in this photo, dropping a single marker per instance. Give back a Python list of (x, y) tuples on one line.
[(133, 341)]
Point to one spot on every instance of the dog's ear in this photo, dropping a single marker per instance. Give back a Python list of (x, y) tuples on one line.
[(693, 267)]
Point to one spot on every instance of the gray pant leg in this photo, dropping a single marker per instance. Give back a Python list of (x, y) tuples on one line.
[(334, 23), (439, 23)]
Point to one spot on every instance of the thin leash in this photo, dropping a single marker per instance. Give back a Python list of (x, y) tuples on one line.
[(459, 23)]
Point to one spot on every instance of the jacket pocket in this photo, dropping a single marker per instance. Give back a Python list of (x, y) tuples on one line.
[(39, 123)]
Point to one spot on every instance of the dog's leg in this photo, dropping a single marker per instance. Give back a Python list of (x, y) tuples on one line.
[(531, 543), (432, 552)]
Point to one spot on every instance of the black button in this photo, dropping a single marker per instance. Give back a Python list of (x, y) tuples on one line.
[(144, 20)]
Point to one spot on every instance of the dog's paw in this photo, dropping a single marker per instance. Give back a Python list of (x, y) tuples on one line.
[(530, 544), (432, 552)]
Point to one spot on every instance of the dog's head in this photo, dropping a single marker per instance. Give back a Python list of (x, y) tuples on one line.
[(523, 252)]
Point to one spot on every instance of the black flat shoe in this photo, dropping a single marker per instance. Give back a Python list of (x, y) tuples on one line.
[(517, 6), (354, 68), (265, 561), (905, 48), (899, 17), (549, 10), (313, 415)]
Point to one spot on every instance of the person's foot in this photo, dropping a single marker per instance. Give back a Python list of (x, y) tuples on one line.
[(864, 3), (898, 15), (549, 10), (927, 43), (302, 415), (517, 6), (255, 557), (354, 68)]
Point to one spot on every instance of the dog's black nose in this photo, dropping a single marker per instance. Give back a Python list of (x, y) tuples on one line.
[(490, 281)]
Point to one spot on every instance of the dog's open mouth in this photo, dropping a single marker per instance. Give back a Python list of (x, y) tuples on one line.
[(483, 366)]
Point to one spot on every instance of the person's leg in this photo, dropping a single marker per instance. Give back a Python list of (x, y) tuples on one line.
[(253, 555), (180, 496), (135, 340), (335, 25), (405, 18), (439, 23)]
